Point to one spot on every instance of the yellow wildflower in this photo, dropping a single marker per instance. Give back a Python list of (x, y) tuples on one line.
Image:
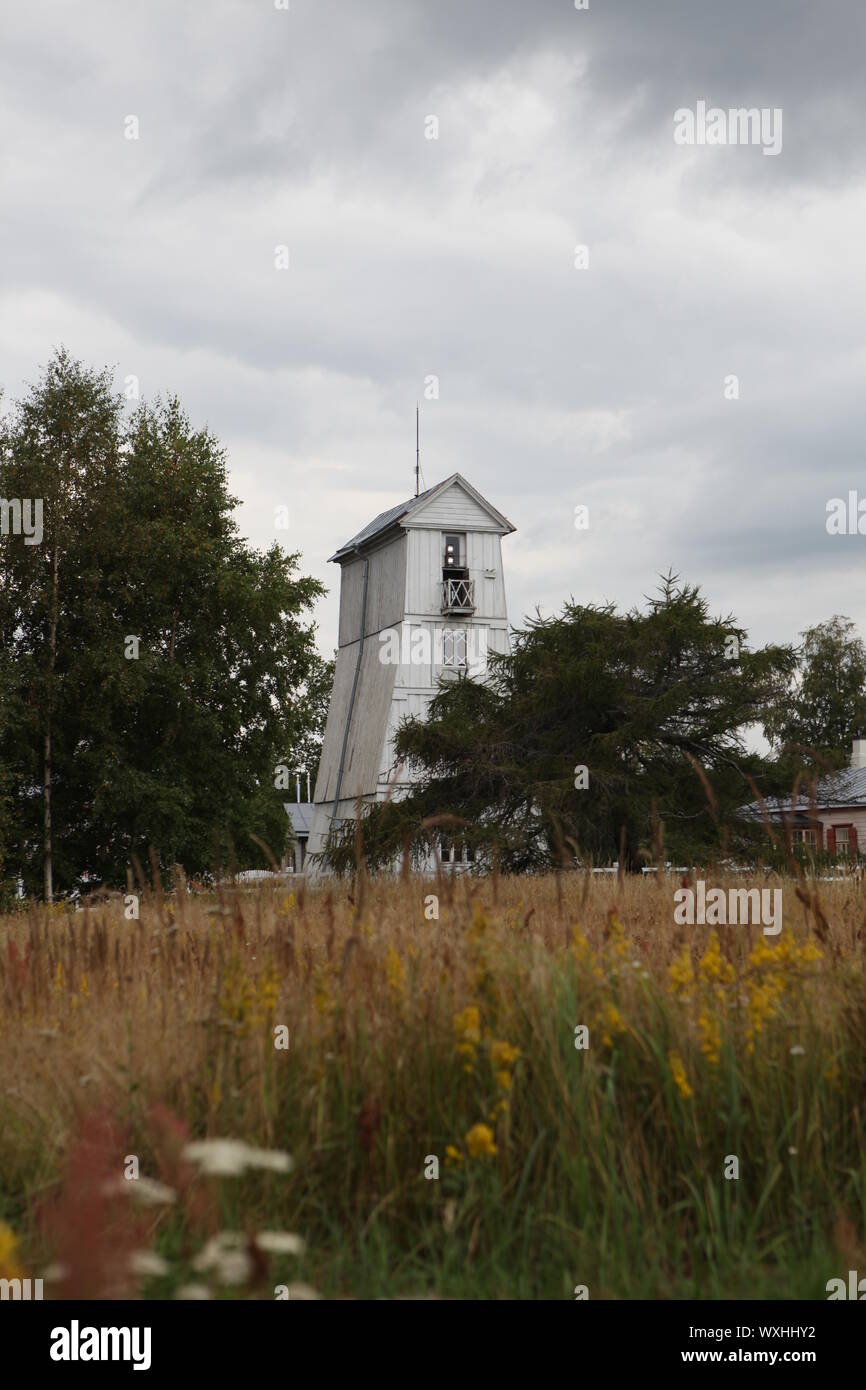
[(766, 988), (761, 953), (269, 989), (585, 955), (453, 1156), (710, 1030), (713, 966), (763, 1003), (681, 975), (504, 1080), (579, 944), (467, 1025), (810, 952), (479, 1142), (612, 1023), (678, 1072), (502, 1054)]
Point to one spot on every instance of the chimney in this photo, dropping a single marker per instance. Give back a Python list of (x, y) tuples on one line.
[(858, 753)]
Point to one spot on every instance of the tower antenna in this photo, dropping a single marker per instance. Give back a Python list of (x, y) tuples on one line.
[(417, 450)]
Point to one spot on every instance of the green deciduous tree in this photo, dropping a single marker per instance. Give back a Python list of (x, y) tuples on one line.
[(157, 666), (60, 454), (823, 704)]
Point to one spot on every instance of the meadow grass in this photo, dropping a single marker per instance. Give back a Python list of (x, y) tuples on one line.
[(412, 1039)]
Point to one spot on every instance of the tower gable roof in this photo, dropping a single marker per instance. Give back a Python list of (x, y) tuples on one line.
[(410, 512)]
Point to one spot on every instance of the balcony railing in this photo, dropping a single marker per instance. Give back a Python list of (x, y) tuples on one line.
[(458, 596)]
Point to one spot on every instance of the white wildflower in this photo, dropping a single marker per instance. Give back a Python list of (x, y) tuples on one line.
[(147, 1264), (146, 1190), (228, 1158), (280, 1243), (226, 1255)]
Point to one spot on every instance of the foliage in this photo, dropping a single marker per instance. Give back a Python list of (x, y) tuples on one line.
[(654, 704), (822, 706), (171, 742)]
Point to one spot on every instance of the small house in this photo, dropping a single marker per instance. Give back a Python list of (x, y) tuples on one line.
[(834, 818)]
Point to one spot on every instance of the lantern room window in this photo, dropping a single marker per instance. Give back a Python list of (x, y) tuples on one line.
[(454, 558)]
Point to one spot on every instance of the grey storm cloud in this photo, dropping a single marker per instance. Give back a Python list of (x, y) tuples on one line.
[(454, 258)]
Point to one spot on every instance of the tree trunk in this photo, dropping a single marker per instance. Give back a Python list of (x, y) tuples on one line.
[(174, 628), (47, 868)]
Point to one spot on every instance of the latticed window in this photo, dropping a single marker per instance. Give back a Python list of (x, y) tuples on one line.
[(454, 647)]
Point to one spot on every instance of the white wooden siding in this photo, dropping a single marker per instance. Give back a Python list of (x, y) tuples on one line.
[(386, 587), (455, 510), (424, 558), (367, 729), (857, 818)]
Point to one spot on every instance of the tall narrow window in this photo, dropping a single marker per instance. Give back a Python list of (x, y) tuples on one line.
[(454, 647), (454, 552)]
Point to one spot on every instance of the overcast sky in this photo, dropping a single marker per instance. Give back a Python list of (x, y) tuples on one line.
[(454, 257)]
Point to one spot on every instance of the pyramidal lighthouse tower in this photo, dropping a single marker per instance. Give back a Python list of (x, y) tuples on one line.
[(422, 597)]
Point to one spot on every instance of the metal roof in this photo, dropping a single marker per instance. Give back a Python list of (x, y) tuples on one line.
[(381, 523), (385, 520), (300, 813), (844, 788)]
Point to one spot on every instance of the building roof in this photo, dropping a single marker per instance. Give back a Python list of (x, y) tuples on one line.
[(300, 813), (398, 516), (839, 789)]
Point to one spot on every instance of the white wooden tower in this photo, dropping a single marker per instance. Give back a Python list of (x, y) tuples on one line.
[(422, 595)]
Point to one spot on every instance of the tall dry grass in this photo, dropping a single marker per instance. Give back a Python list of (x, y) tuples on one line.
[(452, 1039)]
